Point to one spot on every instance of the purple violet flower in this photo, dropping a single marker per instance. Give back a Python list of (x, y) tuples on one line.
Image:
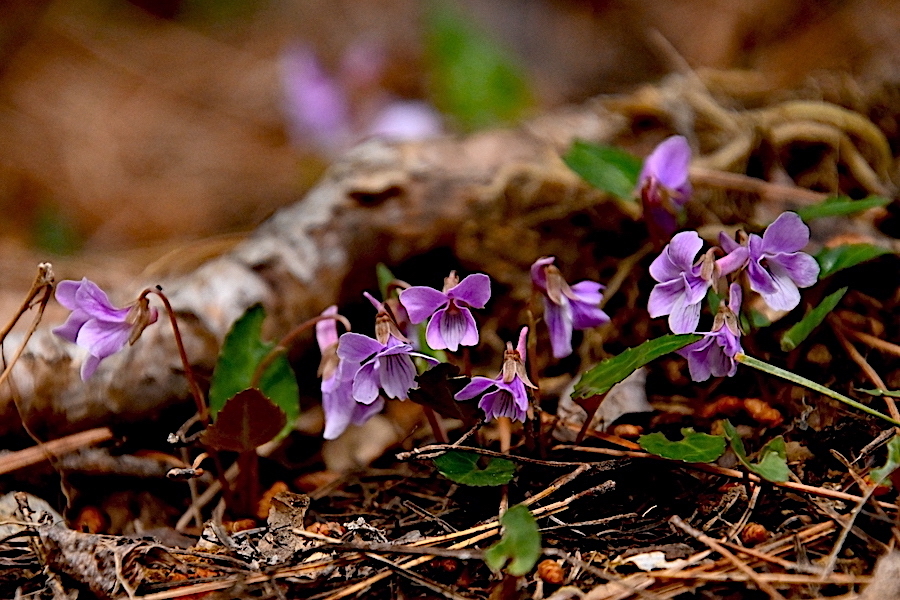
[(385, 363), (509, 399), (681, 286), (714, 354), (776, 266), (566, 307), (98, 326), (337, 383), (664, 185), (452, 324)]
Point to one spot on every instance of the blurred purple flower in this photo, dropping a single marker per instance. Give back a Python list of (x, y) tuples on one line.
[(776, 266), (98, 326), (714, 354), (664, 185), (509, 399), (566, 307), (681, 286), (334, 111), (406, 120), (337, 383), (315, 104), (452, 324)]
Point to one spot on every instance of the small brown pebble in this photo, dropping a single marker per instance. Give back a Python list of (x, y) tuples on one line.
[(240, 525), (551, 571), (262, 509), (446, 564), (754, 534), (330, 529), (90, 520), (626, 430), (762, 412), (726, 405)]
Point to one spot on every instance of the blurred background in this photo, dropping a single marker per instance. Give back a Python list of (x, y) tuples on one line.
[(131, 126)]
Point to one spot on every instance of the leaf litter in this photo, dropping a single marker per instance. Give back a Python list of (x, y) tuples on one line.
[(808, 527)]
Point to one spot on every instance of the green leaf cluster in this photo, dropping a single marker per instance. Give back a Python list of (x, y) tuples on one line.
[(472, 77), (772, 458), (693, 448), (463, 467), (799, 332), (520, 545), (606, 168), (242, 352), (611, 371)]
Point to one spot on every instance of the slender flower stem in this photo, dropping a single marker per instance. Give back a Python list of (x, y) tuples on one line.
[(437, 426), (40, 293), (799, 380), (287, 341), (199, 398)]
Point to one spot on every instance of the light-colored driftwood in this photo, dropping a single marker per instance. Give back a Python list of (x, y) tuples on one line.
[(381, 202)]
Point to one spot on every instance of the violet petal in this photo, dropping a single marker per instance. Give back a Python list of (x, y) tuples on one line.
[(397, 375), (421, 302), (559, 325), (474, 388), (356, 347), (787, 233), (538, 275), (103, 338), (800, 267), (474, 290), (326, 330), (365, 384)]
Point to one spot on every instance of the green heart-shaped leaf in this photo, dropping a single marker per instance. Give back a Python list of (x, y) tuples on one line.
[(772, 463), (462, 467), (520, 544), (241, 353), (694, 448)]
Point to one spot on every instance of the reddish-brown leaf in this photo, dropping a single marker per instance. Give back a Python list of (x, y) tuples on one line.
[(247, 420)]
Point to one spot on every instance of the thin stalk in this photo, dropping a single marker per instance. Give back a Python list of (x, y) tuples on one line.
[(43, 283), (288, 340), (799, 380), (437, 426), (199, 398)]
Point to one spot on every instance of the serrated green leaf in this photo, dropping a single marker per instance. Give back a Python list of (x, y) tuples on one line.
[(241, 353), (462, 467), (772, 463), (880, 475), (520, 544), (836, 206), (694, 448), (799, 332), (832, 260), (472, 77), (611, 371), (605, 167)]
